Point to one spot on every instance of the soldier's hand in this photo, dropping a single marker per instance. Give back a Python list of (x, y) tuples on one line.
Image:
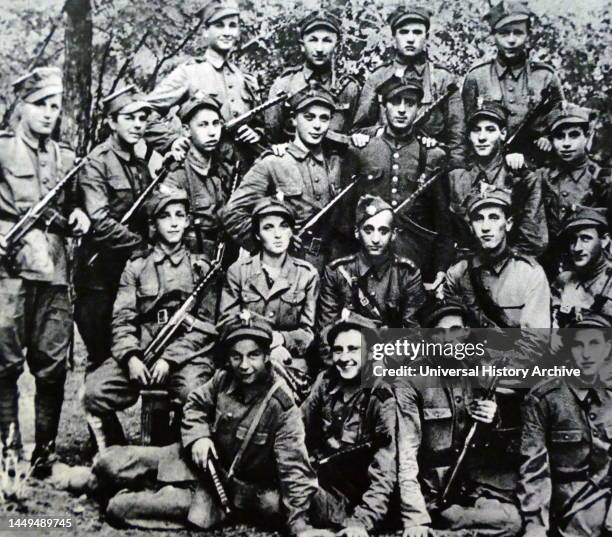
[(247, 135), (515, 161), (280, 355), (277, 339), (429, 142), (353, 531), (138, 371), (179, 149), (297, 242), (544, 144), (79, 222), (315, 532), (360, 140), (483, 410), (416, 531), (437, 286), (160, 371), (279, 149), (201, 450)]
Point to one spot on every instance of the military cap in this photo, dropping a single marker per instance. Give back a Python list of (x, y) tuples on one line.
[(246, 324), (437, 309), (570, 114), (319, 19), (396, 86), (487, 195), (316, 94), (492, 110), (369, 206), (163, 196), (198, 102), (589, 319), (586, 217), (412, 13), (506, 12), (349, 320), (126, 100), (216, 10), (38, 84), (273, 205)]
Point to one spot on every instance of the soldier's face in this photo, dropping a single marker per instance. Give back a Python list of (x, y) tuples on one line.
[(401, 111), (590, 349), (312, 124), (451, 329), (486, 137), (570, 143), (511, 39), (130, 127), (410, 39), (491, 227), (586, 246), (319, 46), (205, 130), (376, 233), (40, 117), (222, 35), (274, 234), (171, 222), (248, 360), (347, 353)]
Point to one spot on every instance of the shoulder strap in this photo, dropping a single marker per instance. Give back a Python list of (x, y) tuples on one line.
[(361, 294), (486, 303), (251, 430)]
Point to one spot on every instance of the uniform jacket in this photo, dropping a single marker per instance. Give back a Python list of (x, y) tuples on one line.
[(565, 442), (276, 456), (345, 89), (152, 287), (446, 124), (333, 424), (27, 173), (289, 304), (394, 288)]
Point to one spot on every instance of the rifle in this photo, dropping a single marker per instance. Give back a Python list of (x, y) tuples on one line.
[(424, 113), (341, 453), (214, 475), (409, 201)]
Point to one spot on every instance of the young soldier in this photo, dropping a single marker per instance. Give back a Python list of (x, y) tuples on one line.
[(153, 286), (410, 28), (34, 281), (341, 415), (274, 284), (434, 417), (498, 286), (564, 488), (511, 78), (113, 180), (588, 284), (319, 37), (308, 175), (487, 128), (375, 282)]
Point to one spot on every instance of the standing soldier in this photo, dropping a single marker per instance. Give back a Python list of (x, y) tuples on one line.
[(410, 28), (113, 180), (153, 286), (564, 488), (34, 298), (375, 282), (320, 34)]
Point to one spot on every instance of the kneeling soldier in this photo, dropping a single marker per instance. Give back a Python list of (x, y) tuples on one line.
[(153, 285)]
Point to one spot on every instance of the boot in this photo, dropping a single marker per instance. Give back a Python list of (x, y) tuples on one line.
[(48, 405), (106, 430), (10, 437)]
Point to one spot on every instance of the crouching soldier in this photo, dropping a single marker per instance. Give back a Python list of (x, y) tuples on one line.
[(153, 286), (350, 428)]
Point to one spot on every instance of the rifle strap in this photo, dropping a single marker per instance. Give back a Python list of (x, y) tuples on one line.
[(364, 300), (484, 300), (604, 295), (252, 427)]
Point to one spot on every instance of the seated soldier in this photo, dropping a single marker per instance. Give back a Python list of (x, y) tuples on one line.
[(244, 420), (565, 444), (153, 285), (350, 428), (487, 128), (588, 284), (434, 416), (274, 284)]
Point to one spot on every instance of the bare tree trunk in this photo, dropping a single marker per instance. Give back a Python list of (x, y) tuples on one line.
[(77, 73)]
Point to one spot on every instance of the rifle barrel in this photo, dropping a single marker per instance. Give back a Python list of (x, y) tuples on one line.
[(218, 486)]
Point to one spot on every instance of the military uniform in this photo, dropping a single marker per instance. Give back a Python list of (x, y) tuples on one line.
[(113, 179)]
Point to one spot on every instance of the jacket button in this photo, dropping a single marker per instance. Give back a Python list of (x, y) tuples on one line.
[(566, 436), (592, 416), (370, 177), (394, 179), (395, 155), (393, 190), (458, 399), (565, 194), (395, 166), (271, 314), (393, 202), (485, 323), (595, 434)]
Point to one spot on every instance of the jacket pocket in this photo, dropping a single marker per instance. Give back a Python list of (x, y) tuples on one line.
[(291, 307)]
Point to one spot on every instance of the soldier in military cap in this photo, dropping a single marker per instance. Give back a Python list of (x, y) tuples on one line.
[(375, 282), (308, 175), (566, 439), (410, 28), (34, 298), (154, 284), (499, 287), (113, 179), (487, 128), (511, 78), (588, 284)]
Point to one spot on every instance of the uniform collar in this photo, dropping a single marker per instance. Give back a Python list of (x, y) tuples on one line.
[(595, 393), (599, 270), (390, 137), (35, 144), (120, 150), (491, 169), (335, 388), (321, 76), (175, 258), (198, 162), (417, 65), (504, 69), (258, 282), (365, 265), (496, 266), (301, 153), (216, 60)]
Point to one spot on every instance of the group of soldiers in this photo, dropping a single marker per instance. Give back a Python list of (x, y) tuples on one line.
[(278, 243)]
